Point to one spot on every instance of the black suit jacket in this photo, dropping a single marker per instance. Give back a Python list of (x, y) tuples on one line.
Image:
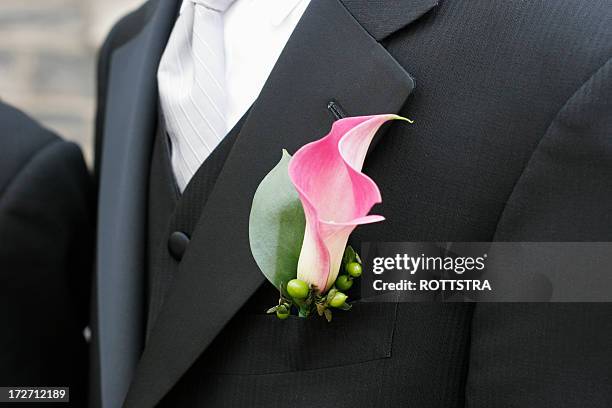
[(46, 237), (511, 142)]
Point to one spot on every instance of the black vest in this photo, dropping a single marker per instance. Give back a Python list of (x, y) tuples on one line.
[(172, 217)]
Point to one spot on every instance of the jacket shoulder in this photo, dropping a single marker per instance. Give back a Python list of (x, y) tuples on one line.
[(21, 138)]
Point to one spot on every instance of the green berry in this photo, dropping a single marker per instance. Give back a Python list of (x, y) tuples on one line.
[(343, 282), (282, 312), (298, 289), (354, 269), (338, 300)]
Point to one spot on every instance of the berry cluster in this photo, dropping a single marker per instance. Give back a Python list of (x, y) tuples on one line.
[(307, 300)]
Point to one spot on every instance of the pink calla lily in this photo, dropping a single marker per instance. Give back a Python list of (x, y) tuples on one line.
[(335, 194)]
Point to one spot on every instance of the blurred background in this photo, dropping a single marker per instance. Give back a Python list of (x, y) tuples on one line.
[(48, 57)]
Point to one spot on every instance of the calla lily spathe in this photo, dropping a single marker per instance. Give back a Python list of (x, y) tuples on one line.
[(335, 194)]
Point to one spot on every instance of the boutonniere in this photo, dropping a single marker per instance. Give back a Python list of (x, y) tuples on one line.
[(303, 213)]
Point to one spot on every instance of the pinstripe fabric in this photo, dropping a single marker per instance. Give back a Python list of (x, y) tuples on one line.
[(191, 79)]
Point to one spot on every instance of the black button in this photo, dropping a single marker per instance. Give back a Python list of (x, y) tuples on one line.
[(177, 244)]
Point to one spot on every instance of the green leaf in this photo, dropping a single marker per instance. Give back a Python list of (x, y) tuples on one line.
[(276, 225), (320, 309), (330, 295), (272, 310), (328, 315), (303, 311), (345, 306), (346, 258), (350, 256)]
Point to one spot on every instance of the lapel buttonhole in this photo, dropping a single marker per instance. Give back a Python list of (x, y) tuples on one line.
[(336, 110)]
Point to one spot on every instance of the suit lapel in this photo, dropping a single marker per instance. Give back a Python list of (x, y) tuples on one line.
[(389, 17), (129, 126), (329, 57)]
